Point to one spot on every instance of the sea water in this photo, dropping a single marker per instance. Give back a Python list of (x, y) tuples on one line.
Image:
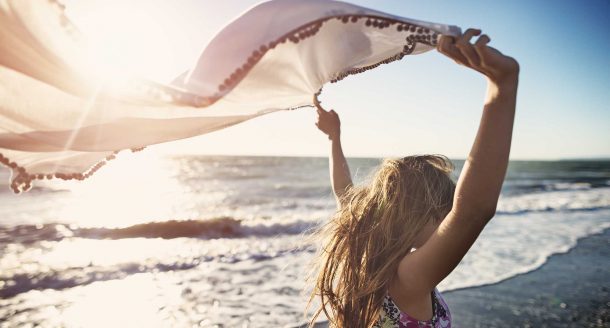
[(224, 241)]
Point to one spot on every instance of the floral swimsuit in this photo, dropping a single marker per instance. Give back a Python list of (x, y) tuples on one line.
[(392, 317)]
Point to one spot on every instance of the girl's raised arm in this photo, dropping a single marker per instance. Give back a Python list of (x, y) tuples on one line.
[(340, 177), (478, 187)]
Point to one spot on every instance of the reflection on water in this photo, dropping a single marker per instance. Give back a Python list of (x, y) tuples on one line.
[(142, 187), (134, 301), (133, 190)]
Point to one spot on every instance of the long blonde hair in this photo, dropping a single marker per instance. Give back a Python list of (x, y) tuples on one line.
[(366, 238)]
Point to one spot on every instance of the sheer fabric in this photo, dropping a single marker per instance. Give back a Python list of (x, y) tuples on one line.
[(58, 120)]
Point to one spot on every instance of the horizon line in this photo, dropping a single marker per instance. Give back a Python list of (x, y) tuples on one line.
[(579, 158)]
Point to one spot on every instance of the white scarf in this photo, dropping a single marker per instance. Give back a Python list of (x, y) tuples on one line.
[(57, 120)]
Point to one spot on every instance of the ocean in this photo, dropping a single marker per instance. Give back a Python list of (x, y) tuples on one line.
[(223, 241)]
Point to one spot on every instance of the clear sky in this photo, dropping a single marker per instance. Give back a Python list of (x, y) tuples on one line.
[(422, 104)]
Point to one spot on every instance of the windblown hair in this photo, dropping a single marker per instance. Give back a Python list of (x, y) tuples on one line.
[(373, 230)]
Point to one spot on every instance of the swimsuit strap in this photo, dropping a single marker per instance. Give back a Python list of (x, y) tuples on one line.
[(393, 316)]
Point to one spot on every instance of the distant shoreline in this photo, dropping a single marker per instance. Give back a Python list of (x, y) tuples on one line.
[(576, 159)]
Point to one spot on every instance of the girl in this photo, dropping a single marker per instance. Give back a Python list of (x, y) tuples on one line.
[(391, 242)]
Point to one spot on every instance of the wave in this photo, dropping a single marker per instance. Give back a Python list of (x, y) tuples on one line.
[(521, 211), (569, 199), (62, 278), (72, 277), (465, 280), (223, 227)]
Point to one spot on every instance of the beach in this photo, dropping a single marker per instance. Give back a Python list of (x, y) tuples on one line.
[(224, 241)]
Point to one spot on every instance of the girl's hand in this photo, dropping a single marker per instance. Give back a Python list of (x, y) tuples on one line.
[(492, 63), (328, 122)]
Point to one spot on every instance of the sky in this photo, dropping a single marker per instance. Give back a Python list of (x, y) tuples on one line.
[(421, 104)]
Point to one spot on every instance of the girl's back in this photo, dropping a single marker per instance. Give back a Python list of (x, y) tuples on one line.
[(392, 242)]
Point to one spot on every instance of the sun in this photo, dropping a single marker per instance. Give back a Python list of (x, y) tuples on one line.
[(126, 39)]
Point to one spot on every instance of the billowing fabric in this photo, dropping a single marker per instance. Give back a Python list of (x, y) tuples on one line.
[(58, 120), (393, 317)]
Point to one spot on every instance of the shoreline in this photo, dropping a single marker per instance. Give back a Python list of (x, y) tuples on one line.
[(571, 289)]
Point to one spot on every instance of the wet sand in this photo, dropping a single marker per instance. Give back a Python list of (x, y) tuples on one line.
[(569, 290)]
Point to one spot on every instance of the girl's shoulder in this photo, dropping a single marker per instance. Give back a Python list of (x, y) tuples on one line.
[(393, 317)]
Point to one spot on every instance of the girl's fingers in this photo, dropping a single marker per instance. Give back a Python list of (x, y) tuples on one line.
[(446, 46), (321, 110), (472, 58), (465, 47), (465, 38), (478, 56), (480, 47), (318, 105)]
